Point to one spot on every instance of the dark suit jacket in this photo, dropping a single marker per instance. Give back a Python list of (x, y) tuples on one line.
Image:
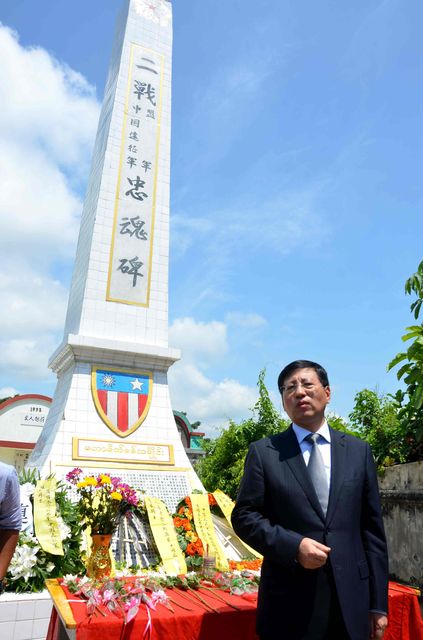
[(277, 506)]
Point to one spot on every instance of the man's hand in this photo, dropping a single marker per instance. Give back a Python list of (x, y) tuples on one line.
[(378, 623), (312, 554)]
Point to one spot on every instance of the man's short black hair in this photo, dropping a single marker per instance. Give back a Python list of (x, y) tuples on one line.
[(303, 364)]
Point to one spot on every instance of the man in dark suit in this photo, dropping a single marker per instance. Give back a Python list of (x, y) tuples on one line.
[(310, 505)]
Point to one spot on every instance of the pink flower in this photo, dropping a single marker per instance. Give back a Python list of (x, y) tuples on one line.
[(159, 597), (108, 595), (73, 476), (130, 603)]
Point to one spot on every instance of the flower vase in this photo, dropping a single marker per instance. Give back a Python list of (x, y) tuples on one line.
[(100, 562)]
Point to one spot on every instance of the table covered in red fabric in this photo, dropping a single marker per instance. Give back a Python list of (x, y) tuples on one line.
[(405, 622), (198, 623)]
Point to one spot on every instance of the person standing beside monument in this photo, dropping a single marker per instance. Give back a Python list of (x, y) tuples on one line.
[(309, 502), (10, 517)]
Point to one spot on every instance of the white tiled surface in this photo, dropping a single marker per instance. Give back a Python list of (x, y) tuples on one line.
[(89, 313), (25, 616)]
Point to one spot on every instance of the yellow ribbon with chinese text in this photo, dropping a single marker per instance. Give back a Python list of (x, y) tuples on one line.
[(205, 529), (165, 537), (227, 505), (45, 518)]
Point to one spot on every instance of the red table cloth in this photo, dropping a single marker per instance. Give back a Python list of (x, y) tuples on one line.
[(161, 624), (405, 622)]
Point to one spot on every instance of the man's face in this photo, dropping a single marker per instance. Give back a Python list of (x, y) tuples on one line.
[(304, 398)]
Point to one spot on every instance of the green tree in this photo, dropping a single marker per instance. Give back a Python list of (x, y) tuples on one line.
[(223, 464), (375, 419), (410, 401)]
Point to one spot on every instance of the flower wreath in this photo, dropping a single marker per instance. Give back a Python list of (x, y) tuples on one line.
[(188, 539)]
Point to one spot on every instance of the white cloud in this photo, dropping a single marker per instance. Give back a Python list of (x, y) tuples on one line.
[(38, 211), (203, 341), (246, 320), (211, 401), (184, 229), (45, 104), (280, 224), (35, 304), (48, 120), (8, 392)]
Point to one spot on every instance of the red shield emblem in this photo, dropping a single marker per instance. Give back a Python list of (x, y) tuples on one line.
[(122, 398)]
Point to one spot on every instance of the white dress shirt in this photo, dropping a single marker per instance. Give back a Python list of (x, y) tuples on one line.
[(323, 443)]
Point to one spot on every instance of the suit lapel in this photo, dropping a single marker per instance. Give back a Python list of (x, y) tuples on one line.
[(338, 467), (297, 465)]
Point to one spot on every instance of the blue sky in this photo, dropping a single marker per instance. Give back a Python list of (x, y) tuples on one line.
[(296, 189)]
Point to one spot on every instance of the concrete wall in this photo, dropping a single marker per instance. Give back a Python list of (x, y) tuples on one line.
[(401, 489)]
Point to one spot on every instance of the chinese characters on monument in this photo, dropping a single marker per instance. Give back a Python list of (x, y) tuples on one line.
[(133, 228)]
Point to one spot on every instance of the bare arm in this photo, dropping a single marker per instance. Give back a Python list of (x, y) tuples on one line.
[(8, 542)]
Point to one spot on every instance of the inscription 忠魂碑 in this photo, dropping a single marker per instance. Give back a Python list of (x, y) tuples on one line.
[(133, 225)]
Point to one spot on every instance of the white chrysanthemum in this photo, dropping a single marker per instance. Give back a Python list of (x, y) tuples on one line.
[(23, 561), (28, 488), (158, 573), (27, 538), (64, 529), (50, 567)]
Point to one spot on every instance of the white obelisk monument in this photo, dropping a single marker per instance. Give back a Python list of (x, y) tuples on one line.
[(111, 408)]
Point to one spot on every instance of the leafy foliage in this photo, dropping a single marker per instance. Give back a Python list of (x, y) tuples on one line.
[(375, 419), (31, 565), (410, 401), (223, 464)]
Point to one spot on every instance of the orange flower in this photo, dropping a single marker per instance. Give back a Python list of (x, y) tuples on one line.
[(199, 547), (253, 565), (184, 511), (212, 500), (191, 549), (178, 522), (186, 525)]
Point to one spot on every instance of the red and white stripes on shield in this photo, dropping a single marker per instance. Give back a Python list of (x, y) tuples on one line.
[(122, 409)]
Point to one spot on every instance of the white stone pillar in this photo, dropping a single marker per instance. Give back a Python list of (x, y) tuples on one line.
[(115, 345)]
